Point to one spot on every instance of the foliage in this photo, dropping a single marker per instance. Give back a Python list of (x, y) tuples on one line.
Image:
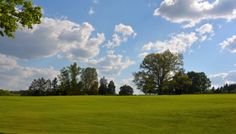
[(179, 84), (15, 14), (111, 88), (89, 80), (200, 82), (5, 92), (39, 87), (103, 86), (126, 90), (156, 70), (227, 88)]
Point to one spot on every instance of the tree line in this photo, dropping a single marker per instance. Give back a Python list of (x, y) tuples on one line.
[(160, 73), (74, 80)]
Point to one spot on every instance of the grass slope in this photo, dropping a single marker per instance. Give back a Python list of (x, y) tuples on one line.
[(193, 114)]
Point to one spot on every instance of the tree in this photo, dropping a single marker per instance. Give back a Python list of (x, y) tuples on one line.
[(39, 87), (15, 14), (200, 82), (89, 79), (179, 84), (156, 70), (126, 90), (55, 86), (64, 79), (74, 72), (93, 89), (111, 88), (103, 86)]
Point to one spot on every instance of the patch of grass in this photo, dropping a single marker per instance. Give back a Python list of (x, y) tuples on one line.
[(210, 114)]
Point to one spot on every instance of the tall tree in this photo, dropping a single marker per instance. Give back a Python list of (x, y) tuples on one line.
[(64, 79), (156, 70), (18, 13), (89, 79), (55, 87), (103, 86), (200, 82), (111, 88), (74, 72)]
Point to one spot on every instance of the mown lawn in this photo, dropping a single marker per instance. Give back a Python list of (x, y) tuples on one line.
[(190, 114)]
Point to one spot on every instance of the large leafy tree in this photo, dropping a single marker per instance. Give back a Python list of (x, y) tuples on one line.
[(74, 71), (69, 80), (17, 13), (200, 82), (126, 90), (65, 84), (179, 84), (89, 80), (111, 88), (103, 86), (156, 70)]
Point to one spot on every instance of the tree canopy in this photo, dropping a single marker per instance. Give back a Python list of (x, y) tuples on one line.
[(200, 82), (126, 90), (156, 70), (15, 14)]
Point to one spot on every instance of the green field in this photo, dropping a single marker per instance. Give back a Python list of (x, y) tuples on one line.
[(105, 114)]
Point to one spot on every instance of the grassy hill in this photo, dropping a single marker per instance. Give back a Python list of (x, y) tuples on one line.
[(211, 114)]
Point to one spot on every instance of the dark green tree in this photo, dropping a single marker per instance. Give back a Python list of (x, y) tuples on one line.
[(15, 14), (65, 84), (89, 79), (103, 86), (74, 72), (126, 90), (156, 70), (39, 87), (200, 82), (179, 84), (111, 90), (55, 87)]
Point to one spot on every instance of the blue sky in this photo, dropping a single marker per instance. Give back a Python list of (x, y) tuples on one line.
[(113, 36)]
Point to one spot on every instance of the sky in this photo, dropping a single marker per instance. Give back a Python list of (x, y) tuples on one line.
[(114, 36)]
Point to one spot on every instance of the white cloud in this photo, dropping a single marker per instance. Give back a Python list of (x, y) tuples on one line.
[(191, 12), (121, 34), (223, 78), (205, 31), (229, 44), (54, 36), (111, 64), (91, 11), (125, 30), (17, 77), (177, 43)]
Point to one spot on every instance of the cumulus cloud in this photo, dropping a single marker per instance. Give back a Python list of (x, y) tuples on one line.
[(220, 79), (205, 31), (177, 43), (229, 44), (191, 12), (51, 37), (111, 64), (17, 77), (121, 34)]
